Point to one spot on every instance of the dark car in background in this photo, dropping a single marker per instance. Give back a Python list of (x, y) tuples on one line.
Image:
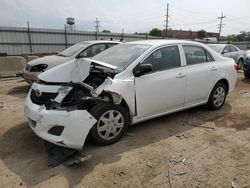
[(246, 66), (229, 50)]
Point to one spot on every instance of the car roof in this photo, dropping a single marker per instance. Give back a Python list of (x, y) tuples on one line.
[(101, 41), (163, 42), (217, 45)]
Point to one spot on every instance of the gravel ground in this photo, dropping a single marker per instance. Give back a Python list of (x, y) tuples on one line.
[(193, 148)]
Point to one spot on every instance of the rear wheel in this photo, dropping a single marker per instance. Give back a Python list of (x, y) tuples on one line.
[(240, 64), (112, 123), (247, 75), (217, 96)]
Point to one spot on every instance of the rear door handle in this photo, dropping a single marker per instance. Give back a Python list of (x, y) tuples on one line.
[(213, 68), (180, 75)]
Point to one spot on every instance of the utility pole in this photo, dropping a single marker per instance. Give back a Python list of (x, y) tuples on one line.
[(97, 26), (220, 24), (29, 35), (167, 16)]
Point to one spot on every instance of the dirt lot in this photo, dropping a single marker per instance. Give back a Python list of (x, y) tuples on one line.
[(215, 145)]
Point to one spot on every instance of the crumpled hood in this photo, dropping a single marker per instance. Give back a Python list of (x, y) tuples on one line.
[(51, 60), (73, 71)]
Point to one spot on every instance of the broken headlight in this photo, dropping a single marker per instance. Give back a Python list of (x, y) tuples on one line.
[(75, 96), (38, 68)]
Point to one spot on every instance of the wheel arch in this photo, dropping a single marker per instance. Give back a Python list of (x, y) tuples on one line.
[(224, 81), (241, 58)]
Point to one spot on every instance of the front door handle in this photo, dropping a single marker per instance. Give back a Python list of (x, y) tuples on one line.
[(180, 75)]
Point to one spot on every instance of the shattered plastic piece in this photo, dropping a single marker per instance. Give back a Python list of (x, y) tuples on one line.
[(57, 154), (149, 163), (234, 183), (121, 173), (76, 159), (244, 92), (173, 159), (180, 135), (3, 106), (180, 173)]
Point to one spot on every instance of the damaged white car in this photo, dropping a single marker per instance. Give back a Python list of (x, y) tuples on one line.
[(124, 85)]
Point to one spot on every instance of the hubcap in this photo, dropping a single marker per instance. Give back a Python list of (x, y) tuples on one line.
[(110, 124), (219, 96)]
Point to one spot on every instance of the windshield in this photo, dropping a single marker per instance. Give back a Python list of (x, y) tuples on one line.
[(121, 55), (217, 48), (73, 49)]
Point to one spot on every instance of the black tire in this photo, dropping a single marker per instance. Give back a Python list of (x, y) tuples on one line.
[(247, 75), (212, 104), (240, 64), (99, 111)]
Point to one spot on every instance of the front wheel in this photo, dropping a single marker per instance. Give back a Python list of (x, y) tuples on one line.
[(112, 123), (217, 96)]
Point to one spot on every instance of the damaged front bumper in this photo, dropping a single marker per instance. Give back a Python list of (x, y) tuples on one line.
[(63, 128)]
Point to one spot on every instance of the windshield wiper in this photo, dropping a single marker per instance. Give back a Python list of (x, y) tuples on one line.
[(61, 55)]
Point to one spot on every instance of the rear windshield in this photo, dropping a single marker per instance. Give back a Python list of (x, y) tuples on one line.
[(72, 50), (217, 48)]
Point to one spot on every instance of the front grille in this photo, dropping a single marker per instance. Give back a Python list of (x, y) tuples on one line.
[(43, 99)]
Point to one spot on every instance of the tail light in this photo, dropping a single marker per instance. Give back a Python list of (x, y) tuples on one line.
[(236, 66)]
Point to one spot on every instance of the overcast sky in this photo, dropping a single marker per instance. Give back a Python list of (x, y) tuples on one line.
[(132, 15)]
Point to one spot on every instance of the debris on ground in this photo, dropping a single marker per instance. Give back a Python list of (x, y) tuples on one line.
[(174, 159), (129, 134), (76, 159), (149, 163), (3, 106), (207, 125), (169, 179), (234, 183), (244, 92), (121, 173), (180, 174), (181, 135), (59, 155)]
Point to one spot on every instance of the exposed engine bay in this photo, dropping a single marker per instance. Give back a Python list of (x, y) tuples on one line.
[(79, 95)]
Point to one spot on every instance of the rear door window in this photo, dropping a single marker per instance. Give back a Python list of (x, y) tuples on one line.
[(233, 49), (196, 55)]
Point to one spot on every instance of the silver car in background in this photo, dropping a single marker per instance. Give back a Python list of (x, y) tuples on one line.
[(84, 49), (229, 50)]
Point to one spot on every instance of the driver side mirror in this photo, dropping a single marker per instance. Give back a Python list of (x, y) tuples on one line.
[(142, 69), (82, 55)]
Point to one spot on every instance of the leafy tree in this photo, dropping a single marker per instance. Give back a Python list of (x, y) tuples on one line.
[(106, 31), (242, 36), (155, 32), (202, 33)]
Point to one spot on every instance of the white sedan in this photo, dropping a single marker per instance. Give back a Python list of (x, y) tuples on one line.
[(124, 85)]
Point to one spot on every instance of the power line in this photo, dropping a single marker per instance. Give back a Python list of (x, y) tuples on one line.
[(220, 24)]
